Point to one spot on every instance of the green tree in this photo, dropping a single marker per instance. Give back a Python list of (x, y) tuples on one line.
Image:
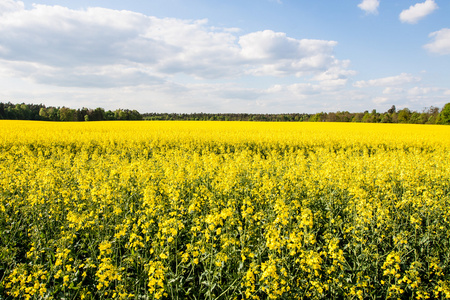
[(2, 110), (433, 113), (97, 114), (367, 118), (358, 117), (317, 117), (386, 118), (66, 114), (135, 115), (375, 117), (43, 113), (423, 118), (394, 117), (331, 117), (22, 112), (392, 110), (53, 113), (404, 115), (415, 118), (444, 115)]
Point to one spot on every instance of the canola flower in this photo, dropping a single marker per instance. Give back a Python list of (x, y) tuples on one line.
[(224, 210)]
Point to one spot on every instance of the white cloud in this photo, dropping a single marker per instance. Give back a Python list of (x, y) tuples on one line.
[(401, 79), (102, 47), (103, 57), (370, 6), (336, 75), (417, 90), (380, 100), (418, 11), (8, 6), (441, 43), (304, 89), (273, 53), (393, 90)]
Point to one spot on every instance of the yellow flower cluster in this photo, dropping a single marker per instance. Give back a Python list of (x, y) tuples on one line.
[(224, 210), (25, 284)]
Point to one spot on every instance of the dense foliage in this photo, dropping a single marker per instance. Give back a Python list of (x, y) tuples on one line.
[(293, 117), (10, 111), (23, 111), (224, 210), (427, 116)]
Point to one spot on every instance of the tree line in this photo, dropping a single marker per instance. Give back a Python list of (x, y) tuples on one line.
[(41, 112), (431, 115), (293, 117)]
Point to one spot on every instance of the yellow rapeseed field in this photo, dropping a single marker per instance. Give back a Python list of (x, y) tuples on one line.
[(224, 210)]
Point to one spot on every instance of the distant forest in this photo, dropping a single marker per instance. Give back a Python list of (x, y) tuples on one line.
[(22, 111)]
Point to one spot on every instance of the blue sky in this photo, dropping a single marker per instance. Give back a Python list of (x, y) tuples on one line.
[(219, 56)]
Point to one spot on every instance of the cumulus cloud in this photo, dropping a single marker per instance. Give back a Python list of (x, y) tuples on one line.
[(369, 6), (441, 43), (104, 47), (380, 100), (393, 90), (336, 75), (418, 11), (273, 53), (417, 90), (8, 6), (401, 79), (304, 89)]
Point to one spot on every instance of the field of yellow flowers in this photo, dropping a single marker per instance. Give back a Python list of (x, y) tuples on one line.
[(224, 210)]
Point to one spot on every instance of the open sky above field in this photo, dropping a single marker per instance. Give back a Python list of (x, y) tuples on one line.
[(256, 56)]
